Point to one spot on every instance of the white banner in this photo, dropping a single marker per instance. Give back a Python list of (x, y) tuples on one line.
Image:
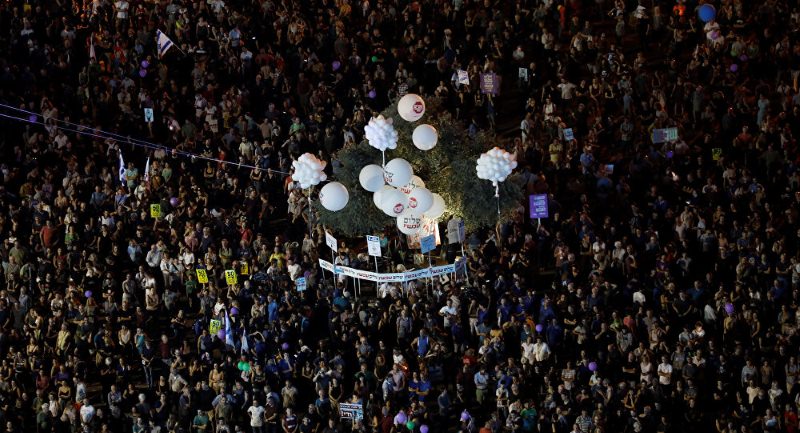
[(396, 277)]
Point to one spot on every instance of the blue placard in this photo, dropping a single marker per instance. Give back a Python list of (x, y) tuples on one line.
[(427, 244), (300, 283), (538, 204), (569, 135)]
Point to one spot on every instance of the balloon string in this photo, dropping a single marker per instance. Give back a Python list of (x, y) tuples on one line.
[(497, 196), (383, 157)]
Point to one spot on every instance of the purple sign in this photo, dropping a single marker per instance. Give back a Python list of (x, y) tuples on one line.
[(538, 204), (490, 83)]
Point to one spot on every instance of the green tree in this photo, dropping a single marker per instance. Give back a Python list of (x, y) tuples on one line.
[(448, 169)]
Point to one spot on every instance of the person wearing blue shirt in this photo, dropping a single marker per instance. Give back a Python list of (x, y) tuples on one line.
[(272, 309), (423, 387), (423, 343)]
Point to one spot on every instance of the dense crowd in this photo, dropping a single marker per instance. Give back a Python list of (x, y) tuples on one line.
[(660, 295)]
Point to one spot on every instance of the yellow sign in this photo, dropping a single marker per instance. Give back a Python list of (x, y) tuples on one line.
[(244, 269), (202, 277), (155, 210), (716, 153), (214, 326), (230, 277)]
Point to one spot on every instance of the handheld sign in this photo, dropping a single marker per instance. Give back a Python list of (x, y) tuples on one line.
[(374, 246), (716, 153), (214, 326), (538, 204), (300, 283), (427, 244), (148, 115), (230, 277), (569, 134), (331, 241), (155, 210), (244, 269), (202, 276)]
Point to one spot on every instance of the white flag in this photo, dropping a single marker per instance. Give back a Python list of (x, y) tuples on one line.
[(147, 170), (164, 43)]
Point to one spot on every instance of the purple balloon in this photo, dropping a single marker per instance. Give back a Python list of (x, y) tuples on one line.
[(285, 346), (465, 416), (592, 366), (234, 311), (670, 154), (400, 418), (734, 67), (423, 428), (145, 64), (539, 327), (221, 334), (372, 94), (174, 201), (729, 308), (336, 65), (32, 118), (87, 293), (142, 72), (743, 57)]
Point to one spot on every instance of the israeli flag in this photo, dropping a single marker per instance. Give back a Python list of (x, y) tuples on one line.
[(164, 43), (245, 344), (122, 170), (228, 331)]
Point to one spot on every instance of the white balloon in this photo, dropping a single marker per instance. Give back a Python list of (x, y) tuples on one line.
[(425, 137), (495, 165), (411, 107), (308, 170), (409, 223), (415, 182), (371, 177), (378, 196), (380, 133), (393, 202), (334, 196), (398, 172), (420, 200), (437, 208)]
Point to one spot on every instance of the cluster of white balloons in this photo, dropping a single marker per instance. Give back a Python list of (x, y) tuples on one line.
[(400, 194), (495, 165), (380, 133), (308, 170)]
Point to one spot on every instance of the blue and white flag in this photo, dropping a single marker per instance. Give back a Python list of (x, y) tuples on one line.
[(122, 170), (228, 331), (147, 170), (164, 43), (245, 344)]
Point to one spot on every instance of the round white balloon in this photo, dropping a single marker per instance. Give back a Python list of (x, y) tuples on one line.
[(425, 137), (397, 172), (411, 107), (420, 200), (371, 177), (409, 223), (415, 182), (378, 196), (334, 196), (393, 202), (437, 208)]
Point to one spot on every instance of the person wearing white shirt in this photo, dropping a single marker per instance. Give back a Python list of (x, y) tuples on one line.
[(665, 372), (87, 412), (153, 257), (541, 351), (256, 413), (448, 312)]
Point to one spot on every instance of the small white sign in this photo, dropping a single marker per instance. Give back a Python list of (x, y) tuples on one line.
[(374, 246), (148, 115), (300, 283), (331, 241)]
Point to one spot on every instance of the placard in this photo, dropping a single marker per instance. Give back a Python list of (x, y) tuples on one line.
[(427, 244), (155, 210), (538, 204), (202, 276), (214, 326), (456, 232), (716, 153), (300, 283), (664, 135), (523, 74), (230, 277), (331, 241), (490, 83), (427, 227), (244, 268), (374, 246), (148, 115), (354, 411), (569, 135), (463, 77)]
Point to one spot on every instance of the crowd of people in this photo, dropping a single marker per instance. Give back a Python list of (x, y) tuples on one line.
[(660, 294)]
